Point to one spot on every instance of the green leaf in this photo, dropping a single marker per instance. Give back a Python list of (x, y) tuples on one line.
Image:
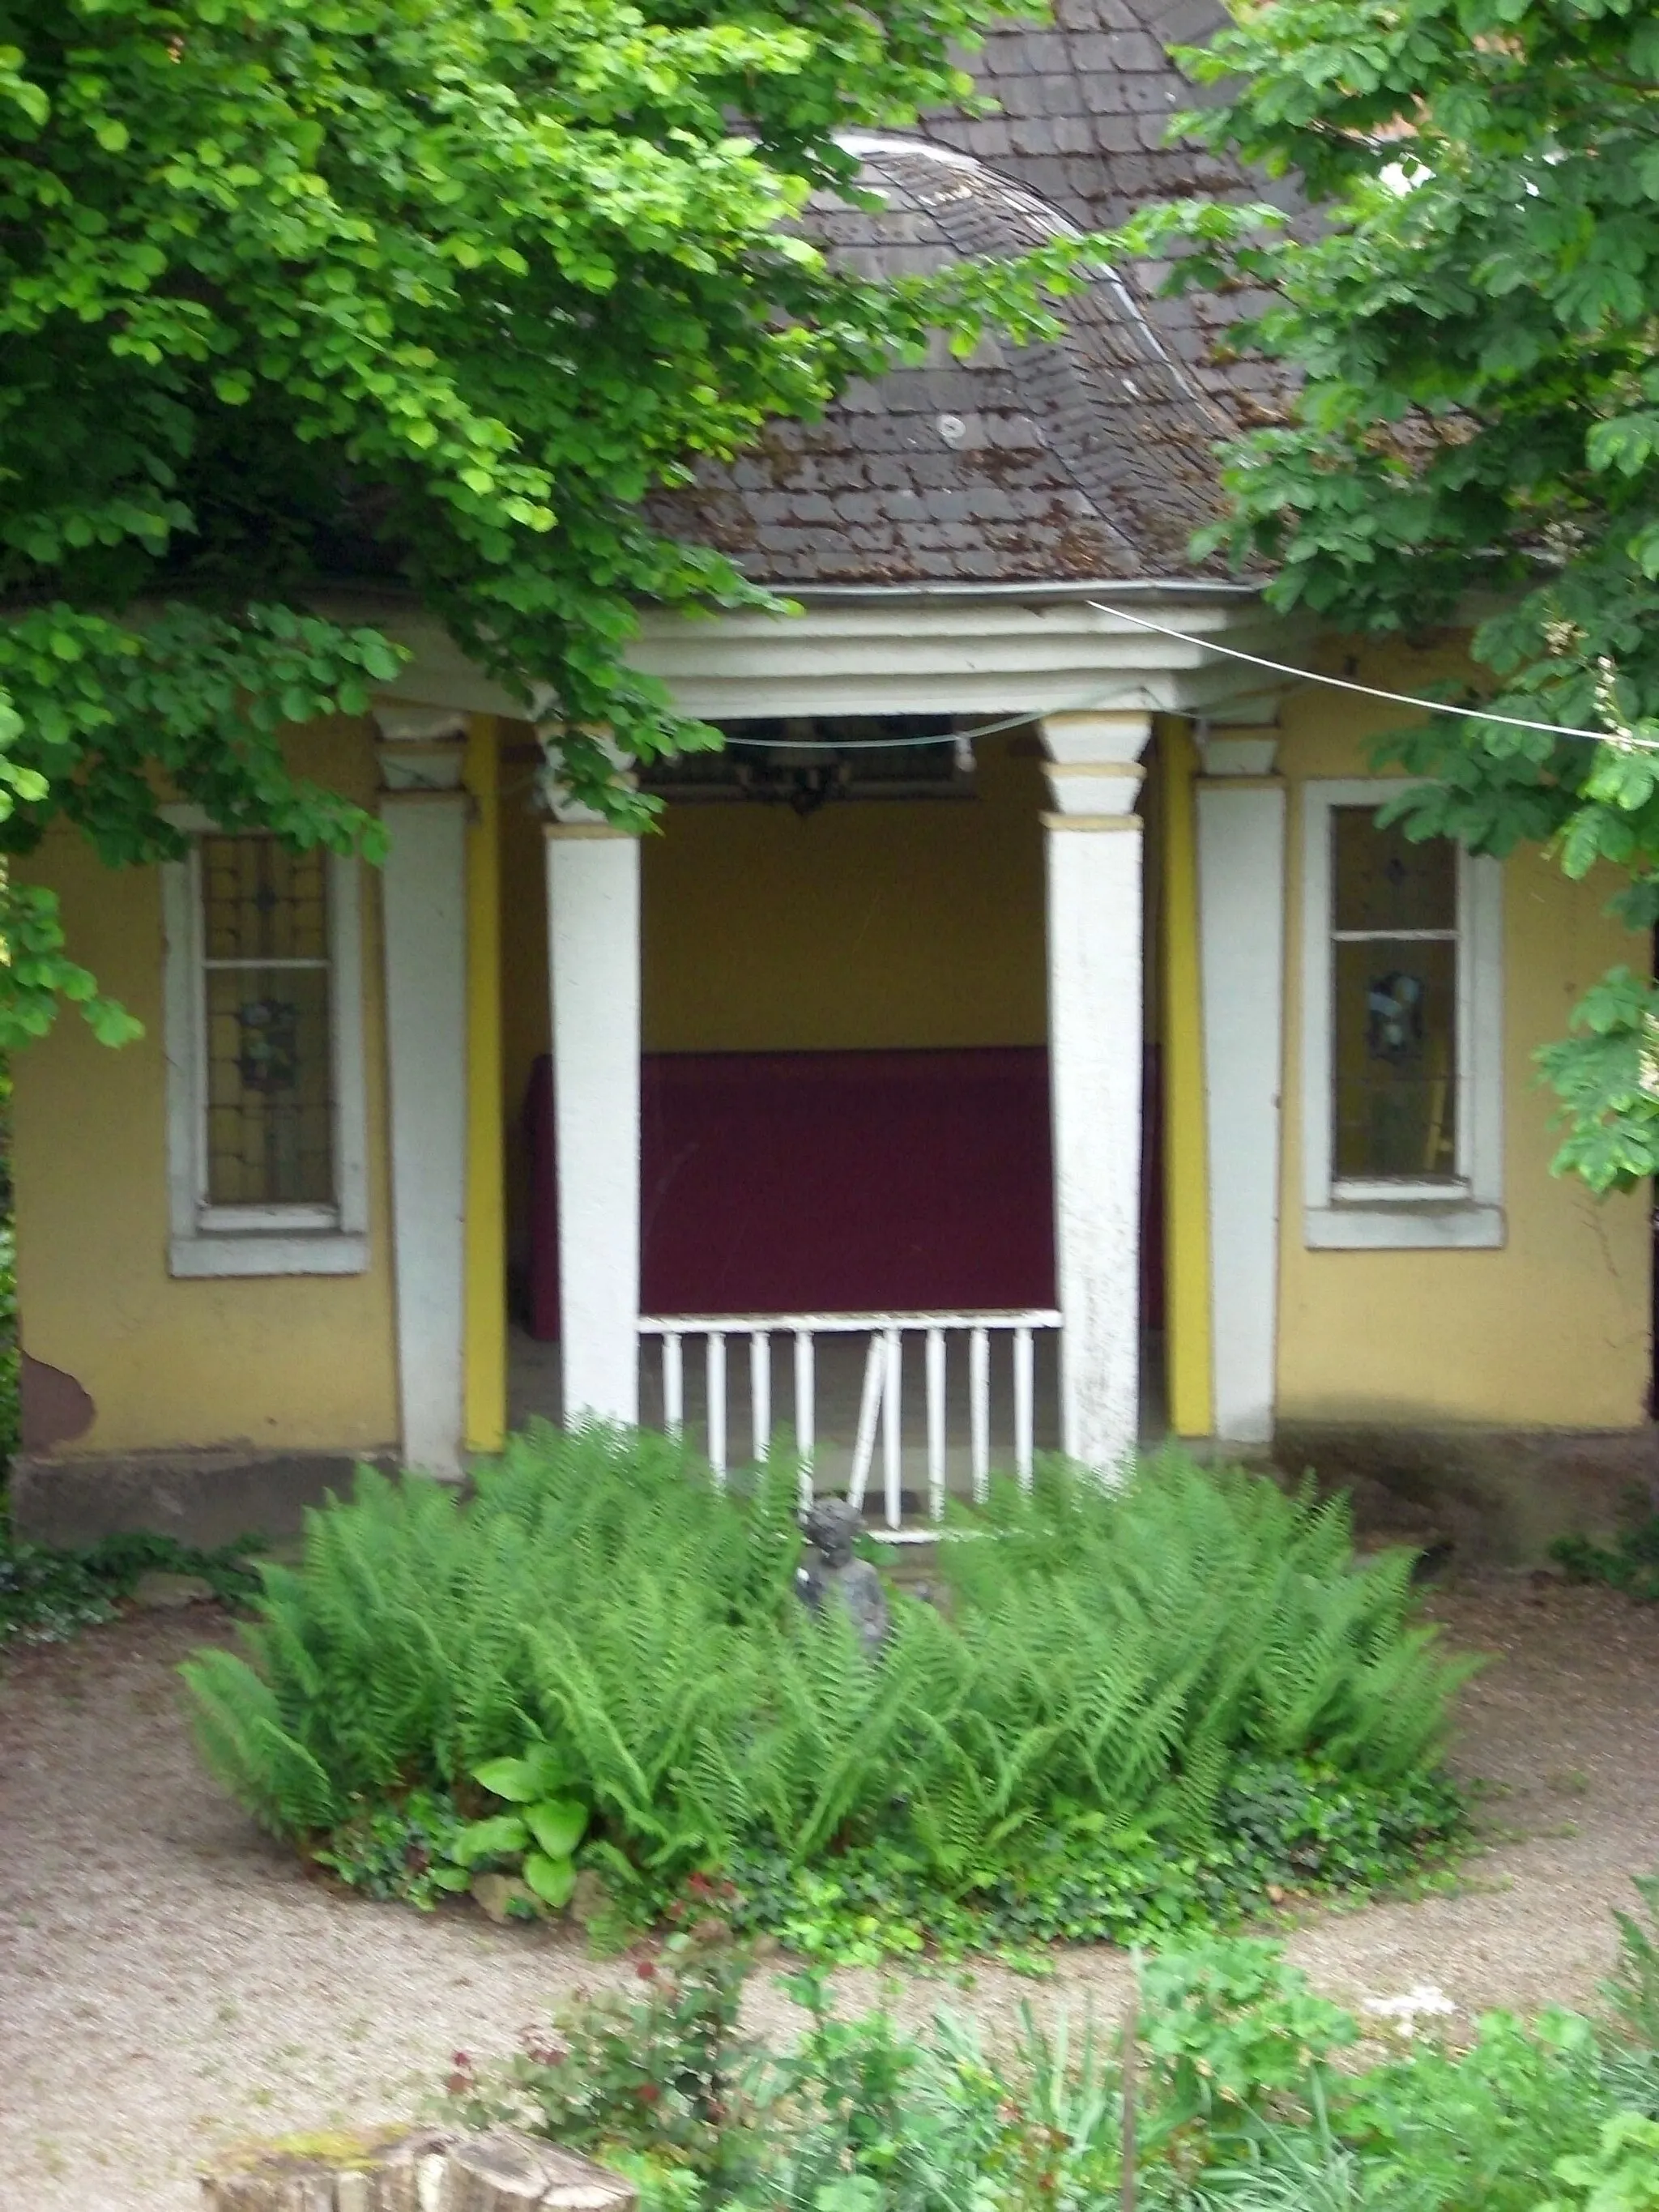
[(538, 1774), (1627, 443), (554, 1881), (499, 1837), (558, 1824), (111, 1024)]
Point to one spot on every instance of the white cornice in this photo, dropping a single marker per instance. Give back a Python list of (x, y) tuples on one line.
[(994, 652)]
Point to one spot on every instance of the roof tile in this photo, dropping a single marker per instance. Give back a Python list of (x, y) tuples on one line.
[(1088, 457)]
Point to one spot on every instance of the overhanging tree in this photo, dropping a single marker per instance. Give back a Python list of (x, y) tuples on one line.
[(1473, 327), (428, 292)]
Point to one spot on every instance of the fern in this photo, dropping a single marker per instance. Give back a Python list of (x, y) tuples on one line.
[(1117, 1654)]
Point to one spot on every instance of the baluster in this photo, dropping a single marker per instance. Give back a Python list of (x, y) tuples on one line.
[(890, 1441), (674, 1383), (715, 1371), (760, 1394), (979, 1410), (935, 1424), (864, 1450), (805, 1411), (1023, 1398)]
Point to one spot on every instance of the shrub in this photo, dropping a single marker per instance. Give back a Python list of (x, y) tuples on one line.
[(1245, 2094), (48, 1595), (1630, 1564), (1112, 1678)]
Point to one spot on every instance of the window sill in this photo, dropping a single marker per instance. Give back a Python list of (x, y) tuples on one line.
[(328, 1252), (1404, 1224)]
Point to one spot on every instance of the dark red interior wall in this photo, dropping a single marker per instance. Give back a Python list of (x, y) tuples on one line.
[(828, 1181)]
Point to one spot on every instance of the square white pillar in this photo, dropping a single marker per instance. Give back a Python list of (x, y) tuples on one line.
[(1241, 902), (1095, 1023), (593, 946), (423, 896)]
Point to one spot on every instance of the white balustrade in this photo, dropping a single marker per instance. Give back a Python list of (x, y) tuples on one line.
[(956, 1350)]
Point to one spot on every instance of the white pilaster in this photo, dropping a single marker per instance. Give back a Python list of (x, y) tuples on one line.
[(1240, 894), (423, 891), (1094, 988), (593, 943)]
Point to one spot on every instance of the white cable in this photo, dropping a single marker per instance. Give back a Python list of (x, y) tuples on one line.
[(1370, 691), (1204, 645), (908, 745)]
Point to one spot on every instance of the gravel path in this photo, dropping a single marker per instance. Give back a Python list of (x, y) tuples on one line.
[(169, 1981)]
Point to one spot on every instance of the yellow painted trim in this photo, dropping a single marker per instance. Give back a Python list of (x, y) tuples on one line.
[(1186, 1163), (485, 1359), (1092, 822)]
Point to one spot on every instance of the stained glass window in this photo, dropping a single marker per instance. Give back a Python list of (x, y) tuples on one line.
[(1394, 970), (267, 991)]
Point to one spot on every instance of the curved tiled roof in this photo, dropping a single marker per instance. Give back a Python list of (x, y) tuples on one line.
[(1088, 457)]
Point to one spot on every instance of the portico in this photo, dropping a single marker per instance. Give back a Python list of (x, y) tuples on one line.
[(922, 1377)]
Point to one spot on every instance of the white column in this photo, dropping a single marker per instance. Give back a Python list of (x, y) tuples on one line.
[(1241, 904), (1095, 989), (423, 894), (593, 944)]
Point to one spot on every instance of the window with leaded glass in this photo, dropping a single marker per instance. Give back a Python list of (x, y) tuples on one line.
[(264, 1051), (1394, 968), (1402, 1030), (266, 984)]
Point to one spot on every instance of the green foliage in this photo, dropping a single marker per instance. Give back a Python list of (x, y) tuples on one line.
[(1606, 1074), (1468, 327), (1633, 1990), (1228, 2025), (1281, 1832), (1132, 1710), (1630, 1563), (48, 1595), (1620, 2175), (855, 2116), (412, 1851), (297, 303), (663, 2072), (540, 1838), (1246, 2090), (1486, 2126)]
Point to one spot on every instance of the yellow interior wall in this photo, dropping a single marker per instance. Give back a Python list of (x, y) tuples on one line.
[(290, 1362), (1552, 1329), (877, 923), (885, 922)]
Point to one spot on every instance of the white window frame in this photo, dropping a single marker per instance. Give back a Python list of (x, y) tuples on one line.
[(259, 1240), (1466, 1209)]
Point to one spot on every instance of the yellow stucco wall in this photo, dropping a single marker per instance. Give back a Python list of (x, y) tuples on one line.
[(295, 1362), (1552, 1328), (878, 924)]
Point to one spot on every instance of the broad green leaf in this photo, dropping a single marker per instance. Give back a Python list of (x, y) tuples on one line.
[(1627, 443), (558, 1824), (554, 1881), (111, 1024), (499, 1837), (523, 1781)]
